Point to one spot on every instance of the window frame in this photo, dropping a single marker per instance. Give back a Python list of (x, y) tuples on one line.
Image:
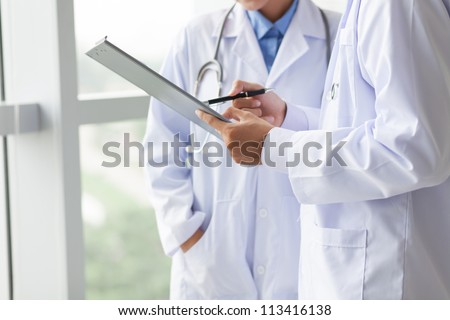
[(5, 275), (5, 288), (47, 236)]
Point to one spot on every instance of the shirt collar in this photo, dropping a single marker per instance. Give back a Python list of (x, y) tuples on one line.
[(261, 24)]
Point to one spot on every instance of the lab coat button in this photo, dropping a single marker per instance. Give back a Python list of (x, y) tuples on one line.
[(261, 270), (263, 213)]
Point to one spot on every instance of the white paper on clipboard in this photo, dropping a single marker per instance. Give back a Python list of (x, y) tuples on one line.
[(152, 83)]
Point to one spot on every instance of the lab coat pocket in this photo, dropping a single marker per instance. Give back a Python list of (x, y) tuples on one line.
[(336, 261), (197, 251), (216, 266)]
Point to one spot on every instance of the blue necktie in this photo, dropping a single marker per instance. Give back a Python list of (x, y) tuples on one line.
[(270, 43)]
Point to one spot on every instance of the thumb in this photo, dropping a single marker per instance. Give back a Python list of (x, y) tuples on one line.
[(240, 86), (214, 122)]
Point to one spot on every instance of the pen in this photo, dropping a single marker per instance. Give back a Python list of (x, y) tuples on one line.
[(244, 94)]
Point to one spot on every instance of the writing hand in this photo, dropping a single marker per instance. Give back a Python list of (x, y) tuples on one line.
[(267, 106)]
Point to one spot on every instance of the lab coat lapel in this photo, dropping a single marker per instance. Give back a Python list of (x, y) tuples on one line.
[(306, 22), (246, 46)]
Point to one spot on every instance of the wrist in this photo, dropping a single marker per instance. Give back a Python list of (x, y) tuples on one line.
[(283, 114)]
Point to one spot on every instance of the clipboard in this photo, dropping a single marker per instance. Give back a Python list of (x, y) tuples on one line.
[(152, 83)]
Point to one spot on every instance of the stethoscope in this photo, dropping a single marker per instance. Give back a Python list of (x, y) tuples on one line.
[(215, 66)]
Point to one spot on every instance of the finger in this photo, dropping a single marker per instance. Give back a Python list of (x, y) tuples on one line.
[(217, 124), (256, 111), (246, 103), (269, 119), (233, 113), (240, 86)]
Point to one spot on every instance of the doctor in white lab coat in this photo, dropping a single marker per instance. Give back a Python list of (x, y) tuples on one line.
[(249, 216), (376, 218)]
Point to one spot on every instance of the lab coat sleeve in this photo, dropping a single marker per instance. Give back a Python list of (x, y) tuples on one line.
[(300, 118), (404, 52), (447, 6), (168, 179)]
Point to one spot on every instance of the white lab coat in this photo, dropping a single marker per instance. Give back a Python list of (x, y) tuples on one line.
[(250, 215), (378, 228)]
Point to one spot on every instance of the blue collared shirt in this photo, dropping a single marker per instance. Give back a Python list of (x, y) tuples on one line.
[(270, 34)]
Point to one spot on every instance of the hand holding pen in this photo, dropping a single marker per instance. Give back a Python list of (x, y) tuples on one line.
[(267, 106), (244, 94)]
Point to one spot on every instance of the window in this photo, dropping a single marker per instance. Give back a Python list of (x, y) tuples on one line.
[(123, 255), (135, 26), (124, 258)]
